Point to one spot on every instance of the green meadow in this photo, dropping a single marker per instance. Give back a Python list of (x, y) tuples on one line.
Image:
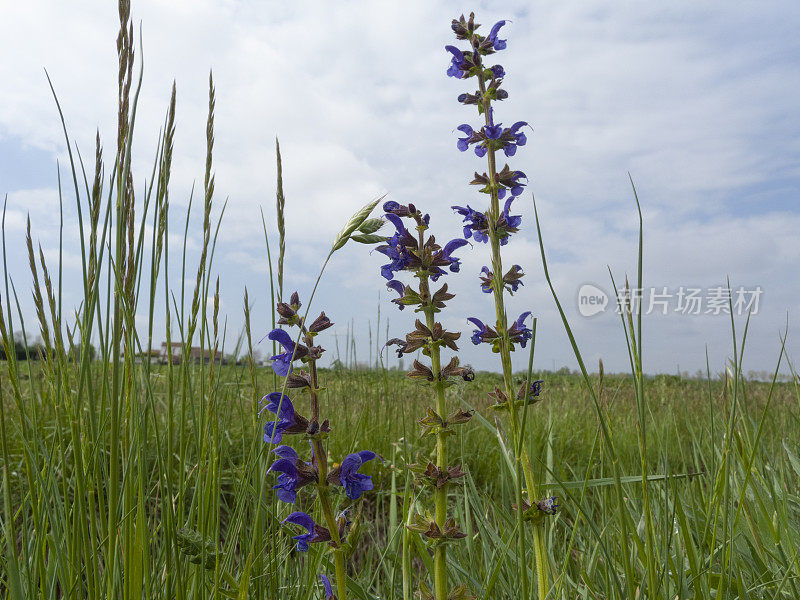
[(722, 465)]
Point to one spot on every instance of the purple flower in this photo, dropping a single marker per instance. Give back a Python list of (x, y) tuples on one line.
[(498, 44), (394, 248), (480, 151), (316, 533), (463, 143), (512, 138), (388, 206), (516, 184), (436, 272), (486, 281), (449, 248), (492, 131), (518, 332), (497, 71), (328, 590), (481, 333), (288, 420), (400, 289), (290, 479), (520, 138), (511, 221), (457, 63), (512, 180), (477, 225), (282, 363), (514, 278), (397, 222), (354, 482)]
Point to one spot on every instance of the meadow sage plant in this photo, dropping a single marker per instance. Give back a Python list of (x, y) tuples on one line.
[(295, 473), (495, 226), (410, 250)]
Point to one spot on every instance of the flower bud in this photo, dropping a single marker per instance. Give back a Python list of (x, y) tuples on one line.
[(285, 310), (320, 324)]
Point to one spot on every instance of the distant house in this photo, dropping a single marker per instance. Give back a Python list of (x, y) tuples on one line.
[(155, 356), (174, 354), (171, 354)]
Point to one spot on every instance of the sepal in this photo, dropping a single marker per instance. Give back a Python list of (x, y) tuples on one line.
[(298, 380), (318, 431), (450, 533), (420, 371), (454, 370), (434, 477), (433, 423)]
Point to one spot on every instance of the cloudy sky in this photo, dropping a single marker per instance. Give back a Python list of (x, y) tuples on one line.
[(696, 100)]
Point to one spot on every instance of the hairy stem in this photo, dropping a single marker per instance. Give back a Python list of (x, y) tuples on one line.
[(440, 495), (323, 491), (498, 289)]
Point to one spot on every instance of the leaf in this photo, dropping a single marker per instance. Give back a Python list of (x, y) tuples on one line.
[(793, 460), (244, 580)]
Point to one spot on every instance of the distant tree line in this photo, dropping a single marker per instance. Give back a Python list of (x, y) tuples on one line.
[(37, 350), (20, 351)]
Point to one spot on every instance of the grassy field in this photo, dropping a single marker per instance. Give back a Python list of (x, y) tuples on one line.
[(723, 495), (379, 409)]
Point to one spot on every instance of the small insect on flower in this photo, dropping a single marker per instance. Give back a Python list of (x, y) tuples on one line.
[(316, 533), (549, 506)]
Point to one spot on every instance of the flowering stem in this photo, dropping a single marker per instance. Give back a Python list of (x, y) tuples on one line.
[(498, 289), (440, 495), (323, 492)]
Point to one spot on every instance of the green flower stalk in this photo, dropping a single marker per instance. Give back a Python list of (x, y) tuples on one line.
[(427, 260), (293, 472), (495, 226)]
